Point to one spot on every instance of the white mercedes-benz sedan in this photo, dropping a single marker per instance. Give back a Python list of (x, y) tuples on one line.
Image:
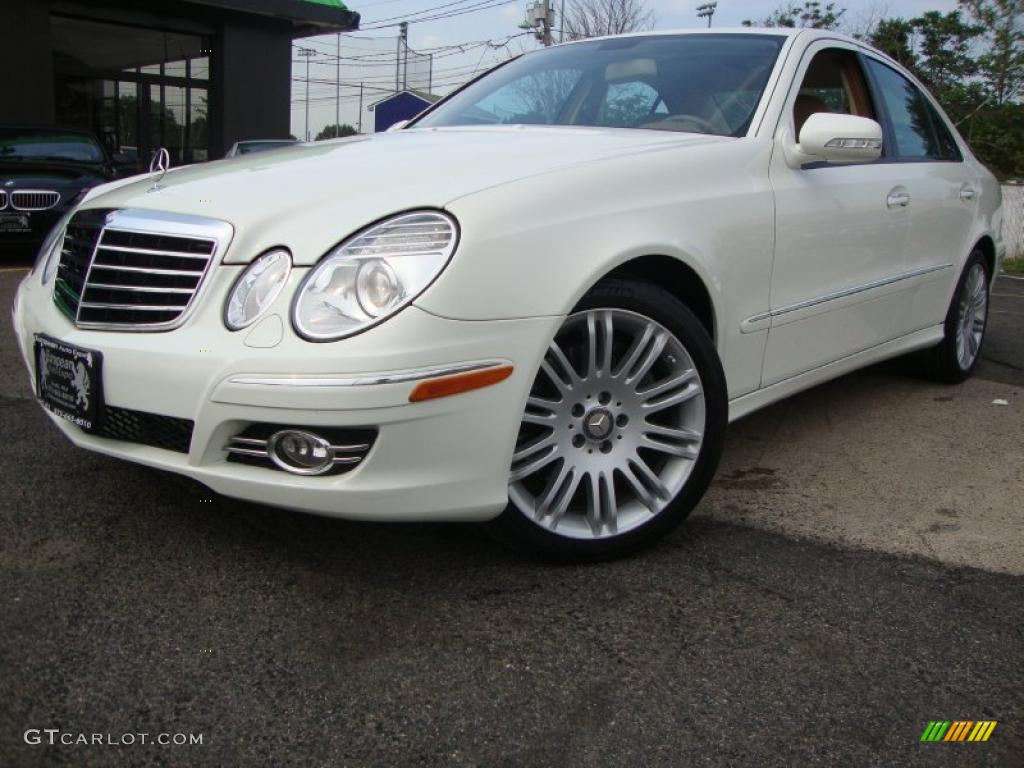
[(538, 303)]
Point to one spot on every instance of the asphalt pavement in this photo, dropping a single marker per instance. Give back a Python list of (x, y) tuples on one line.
[(855, 572)]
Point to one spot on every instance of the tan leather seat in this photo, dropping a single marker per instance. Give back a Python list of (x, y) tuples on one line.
[(804, 107)]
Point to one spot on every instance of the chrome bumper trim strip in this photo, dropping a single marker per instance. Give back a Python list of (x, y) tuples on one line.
[(366, 379)]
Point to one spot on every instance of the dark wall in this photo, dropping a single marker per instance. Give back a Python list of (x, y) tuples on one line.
[(252, 72), (26, 85), (403, 106)]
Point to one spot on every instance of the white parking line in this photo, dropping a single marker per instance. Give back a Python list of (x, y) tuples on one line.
[(14, 269)]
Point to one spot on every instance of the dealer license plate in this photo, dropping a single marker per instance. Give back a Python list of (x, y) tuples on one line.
[(69, 381)]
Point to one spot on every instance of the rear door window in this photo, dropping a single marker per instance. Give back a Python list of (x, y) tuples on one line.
[(918, 131)]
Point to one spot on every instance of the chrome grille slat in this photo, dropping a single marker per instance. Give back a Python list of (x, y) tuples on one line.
[(153, 252), (3, 199), (136, 269), (139, 307), (144, 289), (148, 270), (33, 199)]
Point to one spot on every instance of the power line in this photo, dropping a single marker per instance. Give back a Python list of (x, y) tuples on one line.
[(409, 15), (486, 5)]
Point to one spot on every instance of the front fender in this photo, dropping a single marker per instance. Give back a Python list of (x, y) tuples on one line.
[(533, 247)]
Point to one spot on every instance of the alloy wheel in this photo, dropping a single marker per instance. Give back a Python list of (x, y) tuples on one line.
[(613, 426), (971, 318)]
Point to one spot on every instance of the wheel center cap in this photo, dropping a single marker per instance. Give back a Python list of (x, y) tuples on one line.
[(598, 424)]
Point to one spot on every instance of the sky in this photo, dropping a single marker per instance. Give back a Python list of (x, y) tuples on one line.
[(470, 43)]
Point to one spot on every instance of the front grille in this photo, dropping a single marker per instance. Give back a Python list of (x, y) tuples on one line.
[(165, 432), (350, 445), (34, 199), (76, 253), (115, 275)]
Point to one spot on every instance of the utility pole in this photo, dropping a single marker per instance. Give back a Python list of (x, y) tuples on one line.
[(337, 86), (540, 19), (707, 11), (561, 23), (307, 53), (360, 128), (402, 57)]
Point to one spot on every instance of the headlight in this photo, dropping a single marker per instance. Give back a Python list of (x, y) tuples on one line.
[(257, 288), (374, 274), (49, 253)]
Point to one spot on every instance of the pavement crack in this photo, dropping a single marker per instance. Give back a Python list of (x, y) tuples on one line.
[(1004, 363)]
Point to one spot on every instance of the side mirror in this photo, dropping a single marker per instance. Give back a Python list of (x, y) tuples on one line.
[(832, 138)]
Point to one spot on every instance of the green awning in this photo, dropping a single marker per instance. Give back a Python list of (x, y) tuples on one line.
[(332, 3)]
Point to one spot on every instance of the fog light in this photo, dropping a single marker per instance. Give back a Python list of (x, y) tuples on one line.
[(302, 453)]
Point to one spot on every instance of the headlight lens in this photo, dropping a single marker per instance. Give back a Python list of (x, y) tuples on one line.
[(373, 275), (257, 288), (49, 254)]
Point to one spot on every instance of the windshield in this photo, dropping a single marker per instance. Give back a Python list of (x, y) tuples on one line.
[(47, 145), (703, 83)]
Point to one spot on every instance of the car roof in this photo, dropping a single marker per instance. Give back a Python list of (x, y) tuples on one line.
[(46, 129), (769, 31)]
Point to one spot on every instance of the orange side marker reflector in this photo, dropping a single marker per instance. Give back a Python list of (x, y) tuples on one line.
[(457, 383)]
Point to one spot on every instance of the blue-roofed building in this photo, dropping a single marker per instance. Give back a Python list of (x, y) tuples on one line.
[(400, 106)]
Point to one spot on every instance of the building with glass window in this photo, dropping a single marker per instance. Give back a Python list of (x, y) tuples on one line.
[(193, 76)]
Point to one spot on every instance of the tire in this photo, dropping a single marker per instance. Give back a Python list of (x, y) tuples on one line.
[(623, 429), (954, 358)]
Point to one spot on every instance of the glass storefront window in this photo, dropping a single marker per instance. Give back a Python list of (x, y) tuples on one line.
[(137, 89)]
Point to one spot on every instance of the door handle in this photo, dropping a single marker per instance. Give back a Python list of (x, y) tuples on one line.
[(898, 198), (967, 193)]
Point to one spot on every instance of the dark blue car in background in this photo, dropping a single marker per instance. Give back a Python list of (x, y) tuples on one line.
[(43, 171)]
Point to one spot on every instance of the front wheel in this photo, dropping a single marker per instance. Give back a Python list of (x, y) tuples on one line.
[(622, 430)]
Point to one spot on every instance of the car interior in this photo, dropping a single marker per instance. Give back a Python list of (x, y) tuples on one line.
[(833, 83), (704, 86)]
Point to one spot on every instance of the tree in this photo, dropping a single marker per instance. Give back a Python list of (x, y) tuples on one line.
[(945, 43), (336, 131), (866, 20), (895, 37), (596, 18), (1002, 64), (811, 14), (980, 91)]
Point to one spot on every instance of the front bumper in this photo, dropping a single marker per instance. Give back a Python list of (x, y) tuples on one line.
[(39, 224), (443, 459)]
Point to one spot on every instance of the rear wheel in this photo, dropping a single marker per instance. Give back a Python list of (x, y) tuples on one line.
[(623, 427), (956, 356)]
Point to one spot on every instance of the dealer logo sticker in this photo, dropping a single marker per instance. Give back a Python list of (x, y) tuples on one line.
[(81, 384), (958, 730)]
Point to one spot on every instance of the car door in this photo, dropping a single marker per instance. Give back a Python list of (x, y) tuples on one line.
[(840, 230), (942, 199)]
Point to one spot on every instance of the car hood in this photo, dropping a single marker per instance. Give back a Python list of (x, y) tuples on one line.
[(311, 196), (43, 175)]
